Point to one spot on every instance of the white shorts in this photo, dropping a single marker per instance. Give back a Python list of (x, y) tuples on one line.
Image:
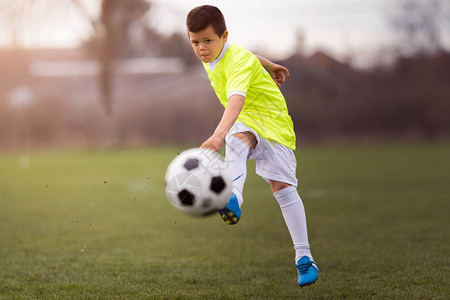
[(273, 160)]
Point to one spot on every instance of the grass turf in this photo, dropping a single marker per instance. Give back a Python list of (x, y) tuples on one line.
[(97, 224)]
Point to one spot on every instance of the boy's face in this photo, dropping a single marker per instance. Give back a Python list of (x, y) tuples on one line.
[(207, 44)]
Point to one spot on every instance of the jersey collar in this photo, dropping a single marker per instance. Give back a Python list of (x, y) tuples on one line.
[(214, 63)]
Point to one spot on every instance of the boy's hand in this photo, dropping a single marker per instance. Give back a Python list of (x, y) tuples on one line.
[(214, 143), (277, 72)]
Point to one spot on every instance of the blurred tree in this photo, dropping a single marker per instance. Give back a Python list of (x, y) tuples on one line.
[(112, 36), (120, 29), (422, 24)]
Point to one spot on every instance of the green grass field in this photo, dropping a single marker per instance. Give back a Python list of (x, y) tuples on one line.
[(97, 224)]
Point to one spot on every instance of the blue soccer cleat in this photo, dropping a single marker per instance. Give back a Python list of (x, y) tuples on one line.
[(231, 213), (307, 271)]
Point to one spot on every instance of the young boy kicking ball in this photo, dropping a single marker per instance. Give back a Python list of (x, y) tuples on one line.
[(255, 125)]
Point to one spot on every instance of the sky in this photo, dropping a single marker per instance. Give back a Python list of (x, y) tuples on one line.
[(340, 27)]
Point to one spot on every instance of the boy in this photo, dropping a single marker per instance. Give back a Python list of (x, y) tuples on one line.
[(255, 125)]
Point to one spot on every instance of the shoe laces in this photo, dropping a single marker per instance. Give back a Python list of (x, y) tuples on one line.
[(303, 268)]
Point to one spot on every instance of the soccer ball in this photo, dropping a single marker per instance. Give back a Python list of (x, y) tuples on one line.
[(198, 182)]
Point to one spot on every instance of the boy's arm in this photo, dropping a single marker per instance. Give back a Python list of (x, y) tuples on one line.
[(229, 116), (276, 71)]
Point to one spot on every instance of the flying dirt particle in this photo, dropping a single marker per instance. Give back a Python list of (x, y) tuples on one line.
[(104, 181)]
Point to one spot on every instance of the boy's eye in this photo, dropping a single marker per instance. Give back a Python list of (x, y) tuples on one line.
[(195, 43), (208, 41)]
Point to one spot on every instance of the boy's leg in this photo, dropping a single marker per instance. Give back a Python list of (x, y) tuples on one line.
[(236, 153), (237, 148), (294, 215)]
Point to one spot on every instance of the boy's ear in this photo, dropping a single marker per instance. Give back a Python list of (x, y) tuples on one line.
[(225, 36)]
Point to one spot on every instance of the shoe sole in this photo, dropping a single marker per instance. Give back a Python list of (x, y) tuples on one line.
[(307, 284), (228, 216)]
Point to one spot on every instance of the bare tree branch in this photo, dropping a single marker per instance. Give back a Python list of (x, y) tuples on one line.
[(95, 24), (422, 24)]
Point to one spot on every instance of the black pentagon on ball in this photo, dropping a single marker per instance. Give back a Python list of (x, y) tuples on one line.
[(186, 197), (217, 184), (191, 164)]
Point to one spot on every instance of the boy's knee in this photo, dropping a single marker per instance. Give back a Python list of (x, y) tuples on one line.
[(248, 138), (278, 185)]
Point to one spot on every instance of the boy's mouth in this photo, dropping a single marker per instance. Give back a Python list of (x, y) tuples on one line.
[(204, 56)]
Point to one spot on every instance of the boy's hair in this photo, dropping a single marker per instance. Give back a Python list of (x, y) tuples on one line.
[(200, 17)]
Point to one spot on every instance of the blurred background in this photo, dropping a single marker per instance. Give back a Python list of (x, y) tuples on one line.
[(96, 73)]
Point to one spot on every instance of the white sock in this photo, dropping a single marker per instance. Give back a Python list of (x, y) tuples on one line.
[(236, 152), (294, 215)]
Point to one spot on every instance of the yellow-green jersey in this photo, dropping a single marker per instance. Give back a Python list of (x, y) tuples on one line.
[(238, 71)]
